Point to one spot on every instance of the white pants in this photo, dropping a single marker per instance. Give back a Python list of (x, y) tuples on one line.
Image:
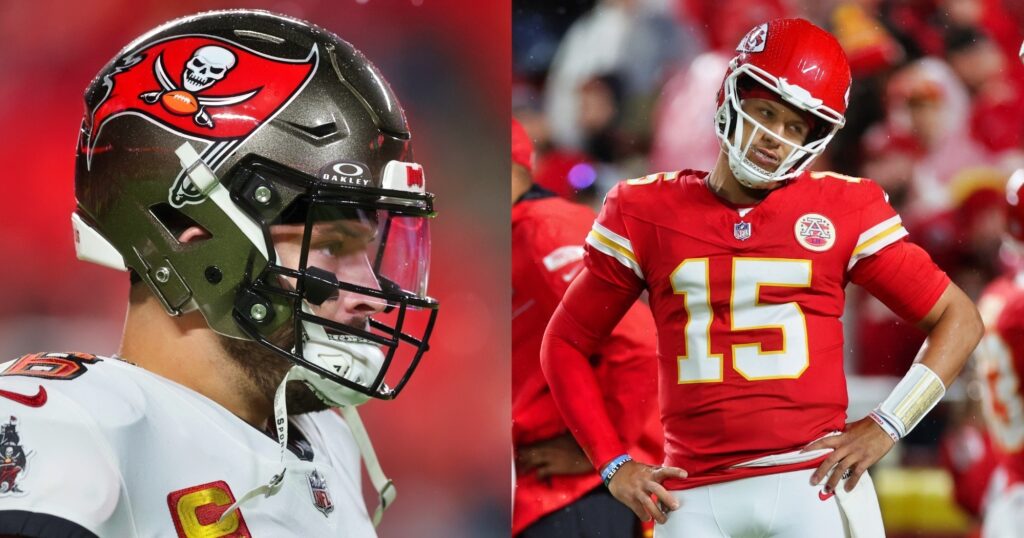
[(1004, 516), (782, 505)]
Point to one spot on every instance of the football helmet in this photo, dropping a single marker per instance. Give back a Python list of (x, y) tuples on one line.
[(235, 122), (1015, 210), (805, 67)]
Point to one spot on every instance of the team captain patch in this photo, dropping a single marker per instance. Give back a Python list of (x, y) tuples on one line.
[(815, 232)]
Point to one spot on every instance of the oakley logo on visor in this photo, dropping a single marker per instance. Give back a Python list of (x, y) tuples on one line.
[(347, 172)]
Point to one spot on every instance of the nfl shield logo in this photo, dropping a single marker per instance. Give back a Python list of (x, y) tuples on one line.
[(741, 231), (318, 488)]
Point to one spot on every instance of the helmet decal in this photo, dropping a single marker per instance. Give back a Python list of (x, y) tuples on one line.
[(202, 87), (754, 40)]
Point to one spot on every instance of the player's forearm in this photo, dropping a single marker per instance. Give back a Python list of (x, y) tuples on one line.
[(954, 329), (589, 311), (631, 388), (579, 398)]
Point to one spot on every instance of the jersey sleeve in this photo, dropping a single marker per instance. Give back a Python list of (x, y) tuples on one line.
[(609, 251), (878, 223), (57, 474), (589, 310), (628, 373), (904, 278)]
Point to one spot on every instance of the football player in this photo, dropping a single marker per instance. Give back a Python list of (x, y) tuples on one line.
[(1000, 367), (557, 493), (745, 267), (253, 173)]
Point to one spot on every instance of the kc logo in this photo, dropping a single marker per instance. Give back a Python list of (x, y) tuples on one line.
[(754, 40)]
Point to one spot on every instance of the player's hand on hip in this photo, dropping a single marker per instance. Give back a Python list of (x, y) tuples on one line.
[(862, 444), (559, 455), (634, 484)]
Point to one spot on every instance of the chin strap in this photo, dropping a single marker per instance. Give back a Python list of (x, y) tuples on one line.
[(386, 491), (281, 425)]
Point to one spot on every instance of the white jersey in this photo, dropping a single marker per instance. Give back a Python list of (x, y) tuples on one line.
[(93, 446)]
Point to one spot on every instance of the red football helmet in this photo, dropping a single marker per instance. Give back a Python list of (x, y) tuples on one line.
[(807, 69), (1015, 209), (522, 146)]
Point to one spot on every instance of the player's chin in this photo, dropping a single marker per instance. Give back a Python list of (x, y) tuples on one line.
[(261, 366), (301, 399), (760, 188)]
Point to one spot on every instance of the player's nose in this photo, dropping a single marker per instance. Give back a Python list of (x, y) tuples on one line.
[(352, 303), (778, 129)]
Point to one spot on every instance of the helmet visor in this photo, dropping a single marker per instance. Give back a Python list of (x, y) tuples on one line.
[(369, 247)]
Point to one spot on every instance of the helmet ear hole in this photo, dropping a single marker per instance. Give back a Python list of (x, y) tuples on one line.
[(178, 225)]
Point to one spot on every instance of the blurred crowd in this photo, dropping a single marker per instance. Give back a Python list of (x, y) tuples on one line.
[(615, 89)]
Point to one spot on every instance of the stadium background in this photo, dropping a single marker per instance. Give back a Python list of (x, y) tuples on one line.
[(446, 440), (614, 89)]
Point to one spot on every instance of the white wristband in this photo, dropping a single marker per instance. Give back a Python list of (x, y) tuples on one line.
[(914, 396)]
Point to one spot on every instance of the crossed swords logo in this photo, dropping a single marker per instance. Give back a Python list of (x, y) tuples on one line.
[(207, 66)]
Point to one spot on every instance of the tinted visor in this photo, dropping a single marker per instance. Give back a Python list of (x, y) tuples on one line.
[(360, 244)]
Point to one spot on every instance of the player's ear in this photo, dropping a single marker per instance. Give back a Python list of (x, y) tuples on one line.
[(180, 225), (193, 233)]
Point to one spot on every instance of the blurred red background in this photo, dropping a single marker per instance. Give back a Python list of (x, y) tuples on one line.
[(446, 440)]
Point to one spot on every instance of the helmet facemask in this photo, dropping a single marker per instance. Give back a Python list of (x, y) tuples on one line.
[(361, 250), (732, 124)]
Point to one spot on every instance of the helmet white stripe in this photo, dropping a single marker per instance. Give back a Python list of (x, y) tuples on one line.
[(206, 181)]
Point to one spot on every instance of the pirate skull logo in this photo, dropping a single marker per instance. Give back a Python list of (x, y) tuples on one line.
[(207, 65)]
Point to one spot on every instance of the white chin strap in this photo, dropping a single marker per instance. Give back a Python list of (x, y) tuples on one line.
[(354, 360), (386, 491), (742, 169)]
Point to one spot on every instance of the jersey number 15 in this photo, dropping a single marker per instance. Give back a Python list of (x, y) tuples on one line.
[(691, 279)]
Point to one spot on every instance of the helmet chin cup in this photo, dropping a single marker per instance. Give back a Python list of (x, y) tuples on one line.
[(747, 177), (358, 362)]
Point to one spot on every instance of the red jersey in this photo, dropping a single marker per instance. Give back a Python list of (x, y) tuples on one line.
[(547, 253), (1001, 368), (967, 452), (747, 302)]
